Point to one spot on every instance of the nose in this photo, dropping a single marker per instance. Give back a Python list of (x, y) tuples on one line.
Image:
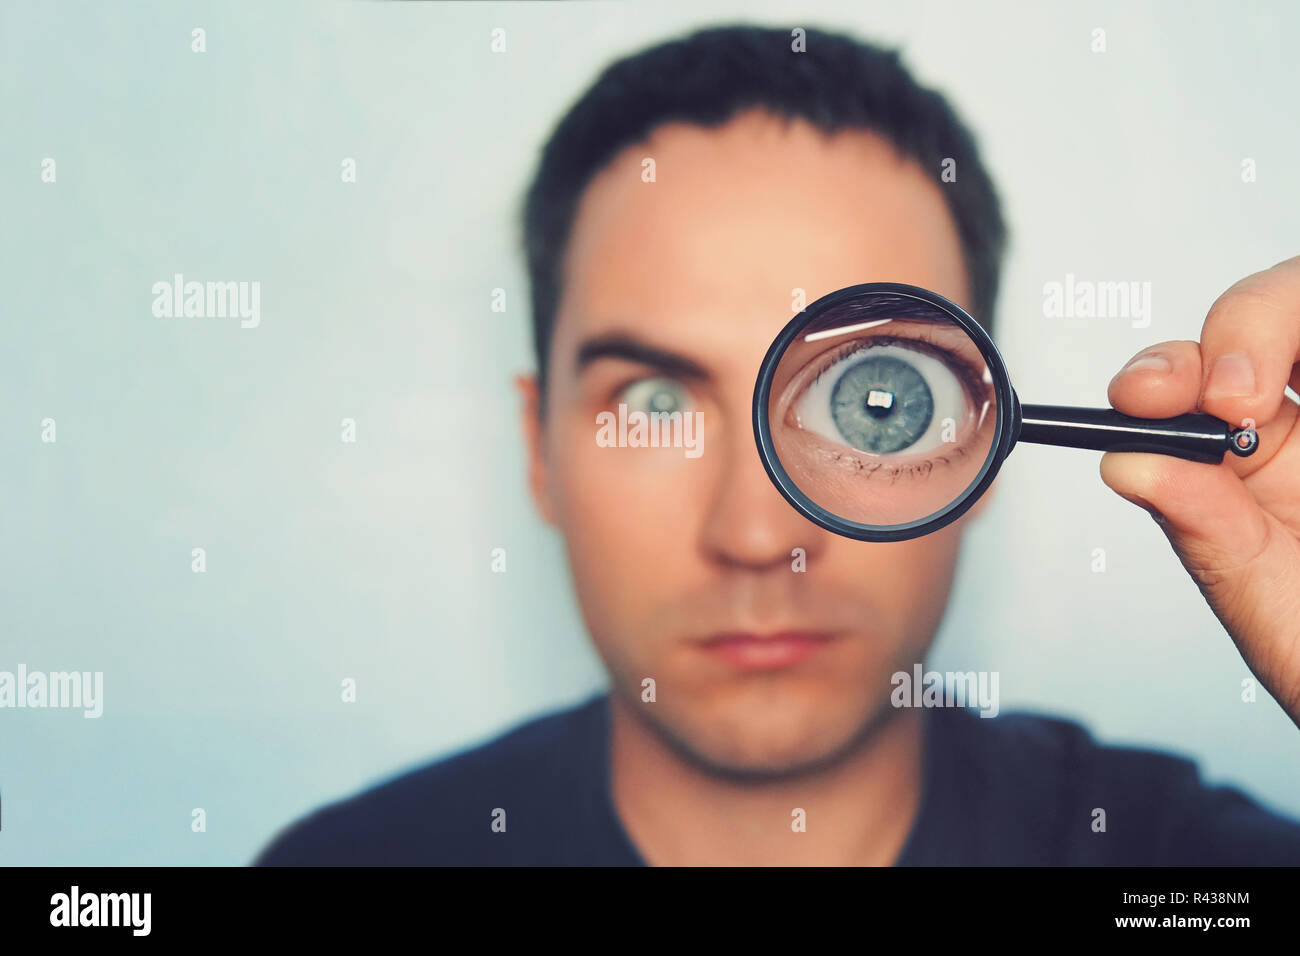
[(748, 524)]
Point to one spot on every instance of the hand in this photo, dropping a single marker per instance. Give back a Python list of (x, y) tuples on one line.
[(1236, 525)]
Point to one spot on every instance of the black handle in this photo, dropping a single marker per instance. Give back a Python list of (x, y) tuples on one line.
[(1196, 437)]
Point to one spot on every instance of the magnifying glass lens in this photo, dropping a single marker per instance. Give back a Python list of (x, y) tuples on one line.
[(883, 411)]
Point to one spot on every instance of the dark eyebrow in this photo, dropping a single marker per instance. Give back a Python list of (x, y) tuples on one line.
[(621, 345)]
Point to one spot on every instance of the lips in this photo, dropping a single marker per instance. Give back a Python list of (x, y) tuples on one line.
[(773, 651)]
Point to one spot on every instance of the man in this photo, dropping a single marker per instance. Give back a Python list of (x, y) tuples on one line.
[(676, 210)]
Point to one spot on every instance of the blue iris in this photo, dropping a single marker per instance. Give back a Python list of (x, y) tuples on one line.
[(881, 404), (665, 400)]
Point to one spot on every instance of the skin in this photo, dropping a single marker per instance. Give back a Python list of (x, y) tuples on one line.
[(1235, 526), (665, 550)]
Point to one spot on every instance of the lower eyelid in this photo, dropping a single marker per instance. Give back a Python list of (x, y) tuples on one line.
[(883, 469)]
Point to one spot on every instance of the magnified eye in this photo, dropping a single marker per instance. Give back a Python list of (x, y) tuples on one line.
[(883, 399), (662, 395)]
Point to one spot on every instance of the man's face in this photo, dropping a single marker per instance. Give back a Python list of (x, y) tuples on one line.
[(771, 642)]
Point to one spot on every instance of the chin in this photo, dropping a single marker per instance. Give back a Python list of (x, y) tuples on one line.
[(768, 731)]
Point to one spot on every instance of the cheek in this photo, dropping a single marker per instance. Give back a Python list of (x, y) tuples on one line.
[(629, 517), (906, 581), (924, 572), (611, 492)]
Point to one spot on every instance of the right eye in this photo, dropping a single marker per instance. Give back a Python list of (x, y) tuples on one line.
[(884, 399), (650, 395)]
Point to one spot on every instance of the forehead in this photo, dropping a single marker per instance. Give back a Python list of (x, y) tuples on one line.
[(706, 257)]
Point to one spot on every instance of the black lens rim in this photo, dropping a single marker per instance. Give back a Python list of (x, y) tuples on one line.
[(1003, 436)]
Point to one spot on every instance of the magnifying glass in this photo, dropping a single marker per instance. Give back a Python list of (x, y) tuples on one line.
[(883, 411)]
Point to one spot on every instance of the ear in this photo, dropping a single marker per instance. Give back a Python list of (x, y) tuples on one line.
[(531, 419), (977, 509)]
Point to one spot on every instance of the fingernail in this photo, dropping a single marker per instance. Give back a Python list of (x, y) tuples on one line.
[(1148, 360), (1231, 376)]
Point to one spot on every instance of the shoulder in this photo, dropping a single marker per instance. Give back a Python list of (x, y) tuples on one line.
[(1071, 799), (442, 812)]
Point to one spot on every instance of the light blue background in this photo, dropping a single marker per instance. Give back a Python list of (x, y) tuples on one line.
[(371, 561)]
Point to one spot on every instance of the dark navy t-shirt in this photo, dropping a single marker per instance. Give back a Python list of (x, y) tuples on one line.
[(1017, 789)]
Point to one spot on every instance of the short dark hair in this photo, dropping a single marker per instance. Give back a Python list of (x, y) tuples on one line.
[(709, 76)]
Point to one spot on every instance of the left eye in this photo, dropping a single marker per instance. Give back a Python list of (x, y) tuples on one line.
[(883, 399)]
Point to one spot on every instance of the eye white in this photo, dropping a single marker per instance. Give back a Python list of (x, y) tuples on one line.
[(813, 408)]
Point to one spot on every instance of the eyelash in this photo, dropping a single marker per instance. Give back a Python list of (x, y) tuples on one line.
[(631, 380), (896, 471), (971, 382)]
